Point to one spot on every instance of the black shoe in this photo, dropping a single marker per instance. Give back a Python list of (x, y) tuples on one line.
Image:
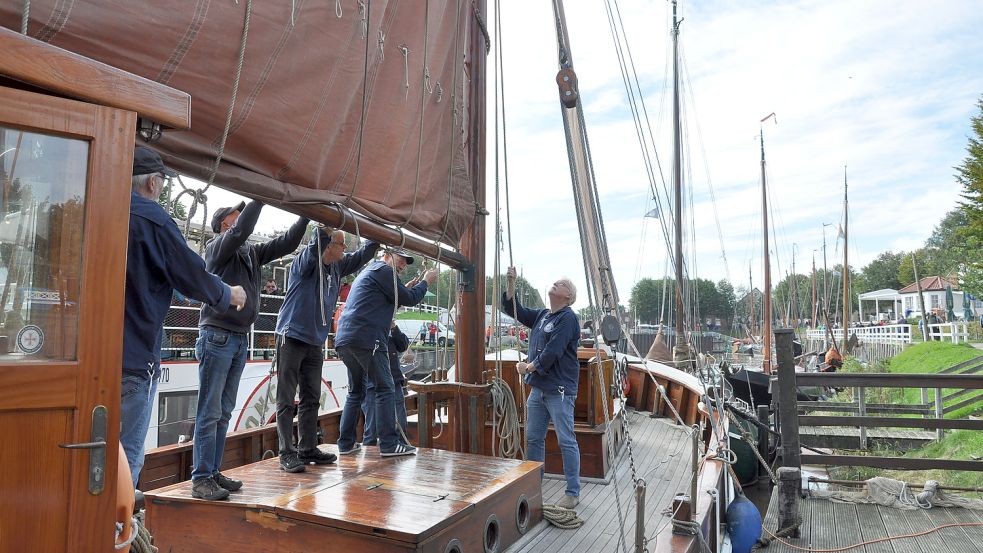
[(290, 462), (208, 489), (227, 483), (318, 457)]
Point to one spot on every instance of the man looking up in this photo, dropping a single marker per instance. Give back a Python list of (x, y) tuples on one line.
[(304, 322), (551, 370), (223, 337), (158, 261), (361, 343)]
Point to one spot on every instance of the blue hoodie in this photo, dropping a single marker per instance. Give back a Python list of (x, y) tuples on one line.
[(300, 316), (368, 312), (158, 261), (552, 346)]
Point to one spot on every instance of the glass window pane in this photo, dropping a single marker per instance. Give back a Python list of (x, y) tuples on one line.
[(42, 200)]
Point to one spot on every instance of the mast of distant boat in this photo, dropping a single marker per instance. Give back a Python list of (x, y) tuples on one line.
[(846, 265), (766, 307), (813, 288)]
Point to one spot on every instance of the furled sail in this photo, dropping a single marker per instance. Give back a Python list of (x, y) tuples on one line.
[(362, 103)]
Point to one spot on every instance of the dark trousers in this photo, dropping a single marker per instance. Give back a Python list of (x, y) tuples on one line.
[(298, 364)]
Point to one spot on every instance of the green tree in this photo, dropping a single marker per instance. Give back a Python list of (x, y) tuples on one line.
[(175, 210), (970, 176), (526, 292), (645, 301), (927, 266), (882, 272)]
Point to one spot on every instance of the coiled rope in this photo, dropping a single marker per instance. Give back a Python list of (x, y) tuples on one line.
[(566, 519)]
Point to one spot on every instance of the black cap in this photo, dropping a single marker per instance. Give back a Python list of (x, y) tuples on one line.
[(147, 162), (403, 254), (222, 213)]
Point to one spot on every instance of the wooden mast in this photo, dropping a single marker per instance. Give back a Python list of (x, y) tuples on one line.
[(471, 299), (677, 184), (813, 288), (766, 307), (846, 265)]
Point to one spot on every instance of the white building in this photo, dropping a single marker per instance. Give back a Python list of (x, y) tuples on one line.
[(933, 289)]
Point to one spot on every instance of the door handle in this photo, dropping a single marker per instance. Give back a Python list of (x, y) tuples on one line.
[(97, 450), (86, 445)]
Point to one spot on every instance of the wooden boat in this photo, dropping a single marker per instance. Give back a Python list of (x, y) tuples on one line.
[(79, 84)]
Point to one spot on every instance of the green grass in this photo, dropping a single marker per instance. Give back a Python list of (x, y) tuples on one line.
[(417, 316), (958, 444), (924, 358)]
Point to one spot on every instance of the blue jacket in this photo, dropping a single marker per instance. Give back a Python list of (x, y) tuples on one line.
[(158, 261), (229, 256), (398, 343), (368, 312), (552, 346), (300, 316)]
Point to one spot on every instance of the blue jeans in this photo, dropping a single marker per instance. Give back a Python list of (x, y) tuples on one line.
[(221, 358), (361, 362), (546, 406), (368, 410), (136, 402)]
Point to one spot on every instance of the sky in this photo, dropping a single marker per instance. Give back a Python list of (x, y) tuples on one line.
[(883, 88)]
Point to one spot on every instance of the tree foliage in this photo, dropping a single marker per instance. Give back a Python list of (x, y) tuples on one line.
[(882, 272), (970, 175), (714, 301)]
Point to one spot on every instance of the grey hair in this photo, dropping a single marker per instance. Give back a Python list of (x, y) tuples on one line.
[(570, 286), (140, 181)]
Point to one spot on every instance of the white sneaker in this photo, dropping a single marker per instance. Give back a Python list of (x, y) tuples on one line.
[(568, 502), (401, 449)]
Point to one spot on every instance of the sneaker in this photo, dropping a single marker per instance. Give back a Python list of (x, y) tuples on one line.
[(290, 462), (318, 457), (401, 449), (208, 489), (568, 502), (227, 483), (356, 447)]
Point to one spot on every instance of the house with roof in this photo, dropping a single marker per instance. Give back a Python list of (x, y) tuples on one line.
[(934, 291)]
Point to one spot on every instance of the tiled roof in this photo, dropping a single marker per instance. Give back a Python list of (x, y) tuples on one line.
[(929, 284)]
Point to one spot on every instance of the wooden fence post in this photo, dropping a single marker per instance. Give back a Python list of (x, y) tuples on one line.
[(788, 410), (862, 411), (939, 412)]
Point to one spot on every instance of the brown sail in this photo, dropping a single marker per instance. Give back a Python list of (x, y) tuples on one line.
[(363, 104)]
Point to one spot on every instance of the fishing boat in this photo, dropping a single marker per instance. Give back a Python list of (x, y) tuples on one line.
[(302, 106)]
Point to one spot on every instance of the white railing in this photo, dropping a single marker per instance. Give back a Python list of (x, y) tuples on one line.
[(955, 332), (887, 334), (181, 330)]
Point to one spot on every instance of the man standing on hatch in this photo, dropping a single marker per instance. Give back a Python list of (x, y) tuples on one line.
[(552, 370), (304, 322), (362, 343), (158, 262), (223, 337)]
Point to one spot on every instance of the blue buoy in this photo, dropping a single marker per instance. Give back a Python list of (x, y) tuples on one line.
[(743, 524)]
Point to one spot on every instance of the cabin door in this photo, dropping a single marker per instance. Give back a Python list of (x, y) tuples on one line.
[(64, 194)]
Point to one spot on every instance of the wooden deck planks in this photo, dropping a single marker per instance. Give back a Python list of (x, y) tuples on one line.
[(833, 525), (661, 454)]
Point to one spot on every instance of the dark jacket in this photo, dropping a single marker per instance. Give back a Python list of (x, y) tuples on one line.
[(398, 343), (229, 256), (300, 316), (368, 312), (158, 261), (552, 346)]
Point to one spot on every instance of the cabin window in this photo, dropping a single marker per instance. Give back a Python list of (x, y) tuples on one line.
[(42, 207), (935, 301), (176, 416)]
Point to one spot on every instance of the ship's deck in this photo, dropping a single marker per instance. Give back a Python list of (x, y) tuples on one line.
[(662, 451), (828, 525)]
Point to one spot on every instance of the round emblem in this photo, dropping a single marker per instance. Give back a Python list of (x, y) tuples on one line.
[(30, 339), (548, 327)]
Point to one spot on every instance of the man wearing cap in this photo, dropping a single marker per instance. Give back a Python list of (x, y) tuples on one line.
[(158, 261), (304, 322), (361, 342), (223, 337)]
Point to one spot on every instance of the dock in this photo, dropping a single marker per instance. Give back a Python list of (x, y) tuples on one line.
[(828, 525), (435, 501)]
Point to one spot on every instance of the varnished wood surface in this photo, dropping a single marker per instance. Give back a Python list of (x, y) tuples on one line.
[(53, 401), (409, 499), (828, 525), (51, 68)]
